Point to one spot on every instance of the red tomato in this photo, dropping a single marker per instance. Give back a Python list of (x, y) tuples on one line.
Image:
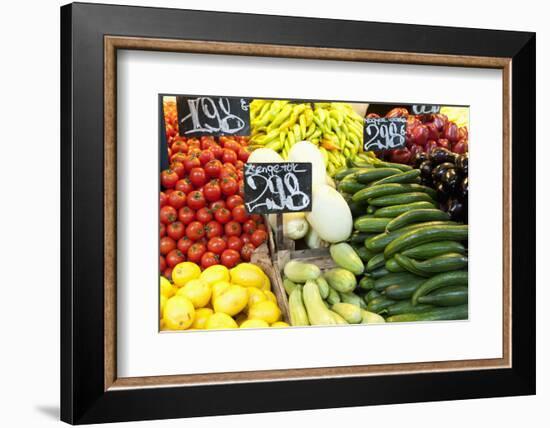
[(257, 218), (234, 201), (186, 215), (249, 226), (195, 200), (178, 168), (162, 264), (191, 161), (177, 199), (197, 177), (232, 229), (213, 168), (168, 214), (183, 244), (245, 238), (246, 251), (258, 237), (206, 141), (230, 144), (163, 199), (212, 191), (195, 230), (162, 230), (217, 150), (230, 258), (214, 206), (195, 252), (261, 227), (223, 215), (217, 245), (227, 172), (234, 243), (167, 273), (184, 185), (167, 192), (174, 257), (206, 156), (178, 157), (239, 213), (241, 188), (229, 186), (243, 154), (209, 259), (179, 147), (213, 229), (175, 230), (168, 178), (229, 156), (167, 244), (204, 215)]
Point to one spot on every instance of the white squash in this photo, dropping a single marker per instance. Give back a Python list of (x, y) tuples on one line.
[(295, 225), (330, 215), (304, 151), (313, 240), (263, 155)]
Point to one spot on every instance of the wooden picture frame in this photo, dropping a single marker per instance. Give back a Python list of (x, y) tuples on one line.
[(91, 390)]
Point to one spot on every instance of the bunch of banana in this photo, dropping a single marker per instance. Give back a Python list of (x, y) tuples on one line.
[(334, 127)]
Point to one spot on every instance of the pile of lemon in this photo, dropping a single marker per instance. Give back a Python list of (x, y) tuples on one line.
[(218, 298)]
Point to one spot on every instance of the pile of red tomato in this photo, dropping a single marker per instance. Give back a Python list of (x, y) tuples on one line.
[(424, 132), (202, 214)]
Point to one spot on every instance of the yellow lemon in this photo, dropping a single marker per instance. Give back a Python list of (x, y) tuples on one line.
[(166, 288), (163, 300), (247, 275), (162, 325), (270, 296), (179, 313), (215, 273), (218, 287), (201, 317), (220, 321), (266, 284), (185, 272), (266, 310), (255, 295), (254, 324), (241, 318), (279, 324), (231, 301), (197, 291)]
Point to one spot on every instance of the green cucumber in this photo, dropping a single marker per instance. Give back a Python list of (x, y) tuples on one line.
[(396, 278), (459, 312), (363, 253), (381, 164), (424, 235), (393, 266), (458, 277), (371, 210), (438, 264), (343, 172), (377, 191), (379, 242), (379, 304), (400, 198), (407, 264), (372, 295), (406, 307), (434, 249), (417, 216), (358, 238), (396, 210), (447, 296), (366, 283), (379, 273), (367, 223), (411, 176), (402, 291), (350, 186), (358, 208), (375, 174), (376, 262)]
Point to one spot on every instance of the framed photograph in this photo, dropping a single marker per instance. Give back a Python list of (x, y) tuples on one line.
[(276, 213)]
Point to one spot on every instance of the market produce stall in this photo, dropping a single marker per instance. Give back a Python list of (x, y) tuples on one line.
[(384, 237)]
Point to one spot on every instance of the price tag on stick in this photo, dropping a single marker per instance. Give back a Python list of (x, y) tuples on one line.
[(277, 187), (384, 133), (216, 116)]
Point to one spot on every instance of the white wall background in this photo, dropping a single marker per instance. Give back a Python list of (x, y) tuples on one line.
[(29, 218)]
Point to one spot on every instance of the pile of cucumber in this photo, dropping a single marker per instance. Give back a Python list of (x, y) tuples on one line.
[(415, 257)]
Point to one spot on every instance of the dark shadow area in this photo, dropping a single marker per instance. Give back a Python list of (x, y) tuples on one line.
[(49, 410)]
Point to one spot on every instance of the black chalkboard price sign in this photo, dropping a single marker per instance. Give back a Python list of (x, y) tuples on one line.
[(384, 133), (277, 187), (425, 109), (198, 116)]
